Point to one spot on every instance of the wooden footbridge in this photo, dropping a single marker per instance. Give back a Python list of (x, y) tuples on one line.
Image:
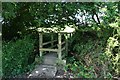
[(57, 45), (61, 45)]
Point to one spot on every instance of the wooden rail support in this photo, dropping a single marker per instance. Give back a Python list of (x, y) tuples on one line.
[(46, 49), (40, 42), (59, 46), (66, 45), (68, 33), (49, 42), (63, 43), (63, 48)]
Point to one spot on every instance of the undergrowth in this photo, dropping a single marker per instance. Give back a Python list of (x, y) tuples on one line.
[(17, 56), (88, 56)]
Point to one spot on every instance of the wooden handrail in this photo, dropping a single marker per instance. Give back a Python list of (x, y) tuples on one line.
[(63, 48), (46, 49), (49, 42)]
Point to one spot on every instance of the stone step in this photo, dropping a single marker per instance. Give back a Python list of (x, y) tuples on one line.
[(47, 69), (43, 71)]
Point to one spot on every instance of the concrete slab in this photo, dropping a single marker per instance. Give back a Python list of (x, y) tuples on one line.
[(50, 59), (43, 71), (47, 69)]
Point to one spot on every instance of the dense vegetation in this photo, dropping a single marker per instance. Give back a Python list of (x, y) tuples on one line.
[(17, 55), (94, 50)]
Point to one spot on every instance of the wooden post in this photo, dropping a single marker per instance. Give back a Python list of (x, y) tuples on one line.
[(40, 42), (66, 45), (59, 46)]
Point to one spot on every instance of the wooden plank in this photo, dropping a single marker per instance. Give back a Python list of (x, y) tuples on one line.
[(48, 42), (63, 43), (67, 29), (63, 48), (46, 49)]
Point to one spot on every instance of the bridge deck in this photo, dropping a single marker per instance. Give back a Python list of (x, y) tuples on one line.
[(47, 68)]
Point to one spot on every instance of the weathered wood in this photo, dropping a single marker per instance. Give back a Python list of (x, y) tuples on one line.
[(59, 46), (67, 29), (63, 43), (63, 48), (46, 49), (40, 42), (66, 45), (48, 42)]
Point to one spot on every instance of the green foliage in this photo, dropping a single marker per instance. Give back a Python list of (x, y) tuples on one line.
[(81, 71), (113, 42), (25, 15), (38, 60), (101, 48), (112, 51), (9, 10), (16, 56), (89, 56), (95, 47)]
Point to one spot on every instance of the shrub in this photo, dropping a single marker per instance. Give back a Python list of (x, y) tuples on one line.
[(88, 57), (16, 56)]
